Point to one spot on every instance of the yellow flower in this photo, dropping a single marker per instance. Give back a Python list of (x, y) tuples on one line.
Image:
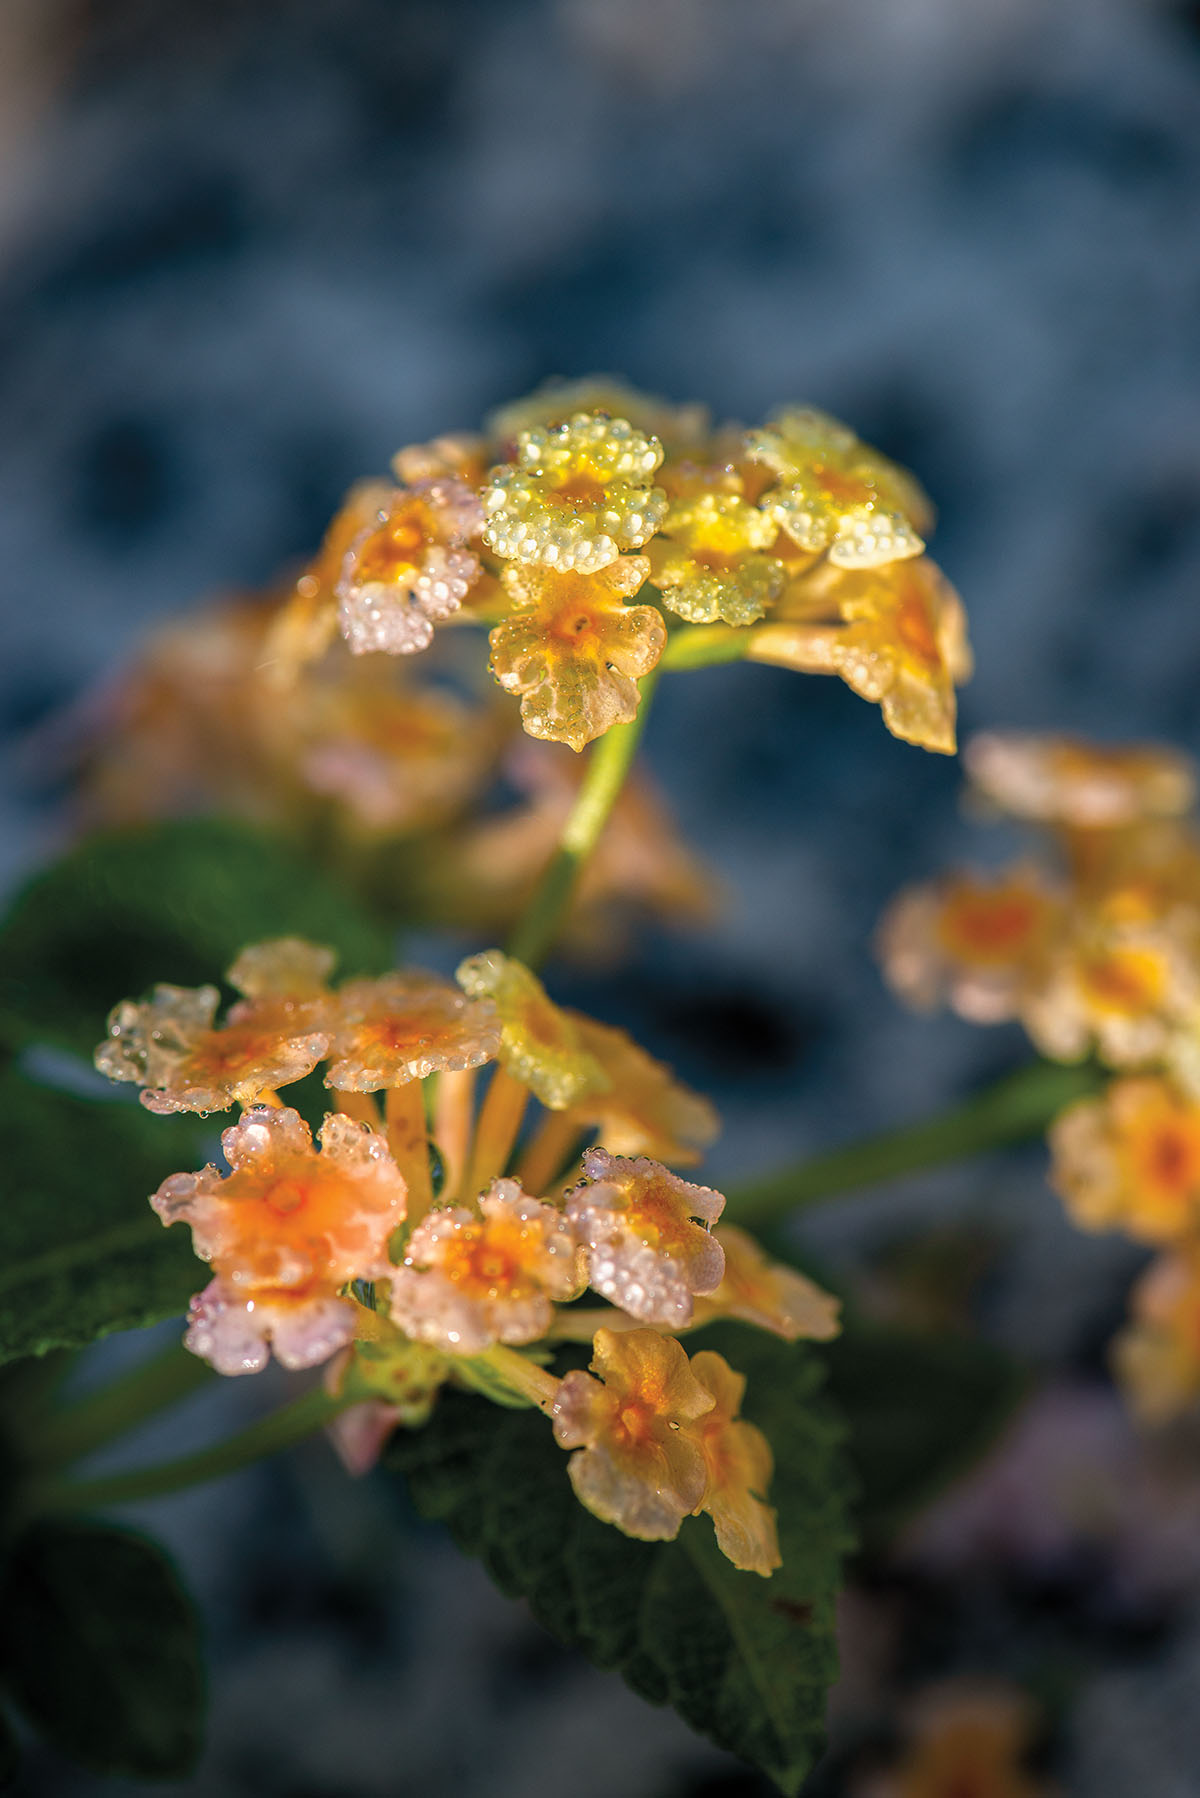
[(739, 1464), (1157, 1356), (458, 456), (405, 1026), (646, 1253), (1090, 786), (643, 1110), (171, 1047), (408, 569), (640, 1466), (902, 644), (577, 496), (540, 1044), (557, 401), (286, 968), (836, 494), (709, 562), (1130, 1160), (574, 651), (768, 1295), (285, 1231), (469, 1280), (975, 942), (1126, 986), (307, 623)]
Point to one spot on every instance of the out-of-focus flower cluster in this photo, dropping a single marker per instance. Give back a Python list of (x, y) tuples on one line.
[(1094, 945), (965, 1739), (442, 1233)]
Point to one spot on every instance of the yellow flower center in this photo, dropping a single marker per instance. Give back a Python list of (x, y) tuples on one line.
[(988, 926), (1127, 981)]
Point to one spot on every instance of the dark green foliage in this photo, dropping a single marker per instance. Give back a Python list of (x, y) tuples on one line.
[(81, 1252), (171, 902), (744, 1660), (920, 1410), (100, 1649)]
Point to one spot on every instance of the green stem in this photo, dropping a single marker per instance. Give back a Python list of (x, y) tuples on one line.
[(610, 762), (281, 1429), (705, 646), (79, 1429), (1013, 1110)]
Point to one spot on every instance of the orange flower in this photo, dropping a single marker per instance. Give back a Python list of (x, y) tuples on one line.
[(1127, 986), (1157, 1357), (458, 456), (469, 1281), (640, 1467), (764, 1293), (578, 495), (307, 624), (405, 1026), (969, 1742), (287, 968), (645, 1252), (836, 494), (975, 941), (574, 651), (285, 1230), (903, 644), (408, 569), (171, 1047), (643, 1110), (1130, 1160), (540, 1044), (739, 1465), (1090, 786)]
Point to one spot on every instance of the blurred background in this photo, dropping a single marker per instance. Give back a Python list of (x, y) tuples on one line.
[(247, 250)]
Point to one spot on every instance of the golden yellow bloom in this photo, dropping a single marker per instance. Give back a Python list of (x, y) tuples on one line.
[(540, 1044), (285, 1231), (574, 651), (405, 1026), (969, 1742), (287, 967), (1130, 1160), (710, 564), (975, 942), (306, 625), (1091, 786), (643, 1110), (579, 494), (739, 1464), (171, 1047), (836, 494), (408, 569), (1157, 1357), (470, 1280), (903, 644), (640, 1466), (1128, 988), (767, 1294), (557, 401), (646, 1253), (458, 456)]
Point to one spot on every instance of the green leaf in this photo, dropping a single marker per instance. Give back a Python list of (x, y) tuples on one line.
[(171, 902), (744, 1660), (81, 1252), (99, 1645), (921, 1409)]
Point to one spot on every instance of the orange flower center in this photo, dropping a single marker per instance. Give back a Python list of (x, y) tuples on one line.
[(491, 1260), (1124, 980), (1166, 1157), (841, 488), (989, 926), (395, 548), (655, 1215), (238, 1050), (579, 492), (296, 1204)]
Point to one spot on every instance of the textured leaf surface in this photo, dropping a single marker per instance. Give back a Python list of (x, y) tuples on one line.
[(920, 1409), (99, 1646), (81, 1252), (744, 1660), (171, 902)]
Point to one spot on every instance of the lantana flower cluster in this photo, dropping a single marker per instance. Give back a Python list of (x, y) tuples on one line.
[(487, 1156), (588, 524), (1093, 943)]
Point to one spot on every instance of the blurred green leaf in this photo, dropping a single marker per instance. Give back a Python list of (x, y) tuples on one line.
[(744, 1660), (81, 1252), (173, 902), (100, 1648)]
